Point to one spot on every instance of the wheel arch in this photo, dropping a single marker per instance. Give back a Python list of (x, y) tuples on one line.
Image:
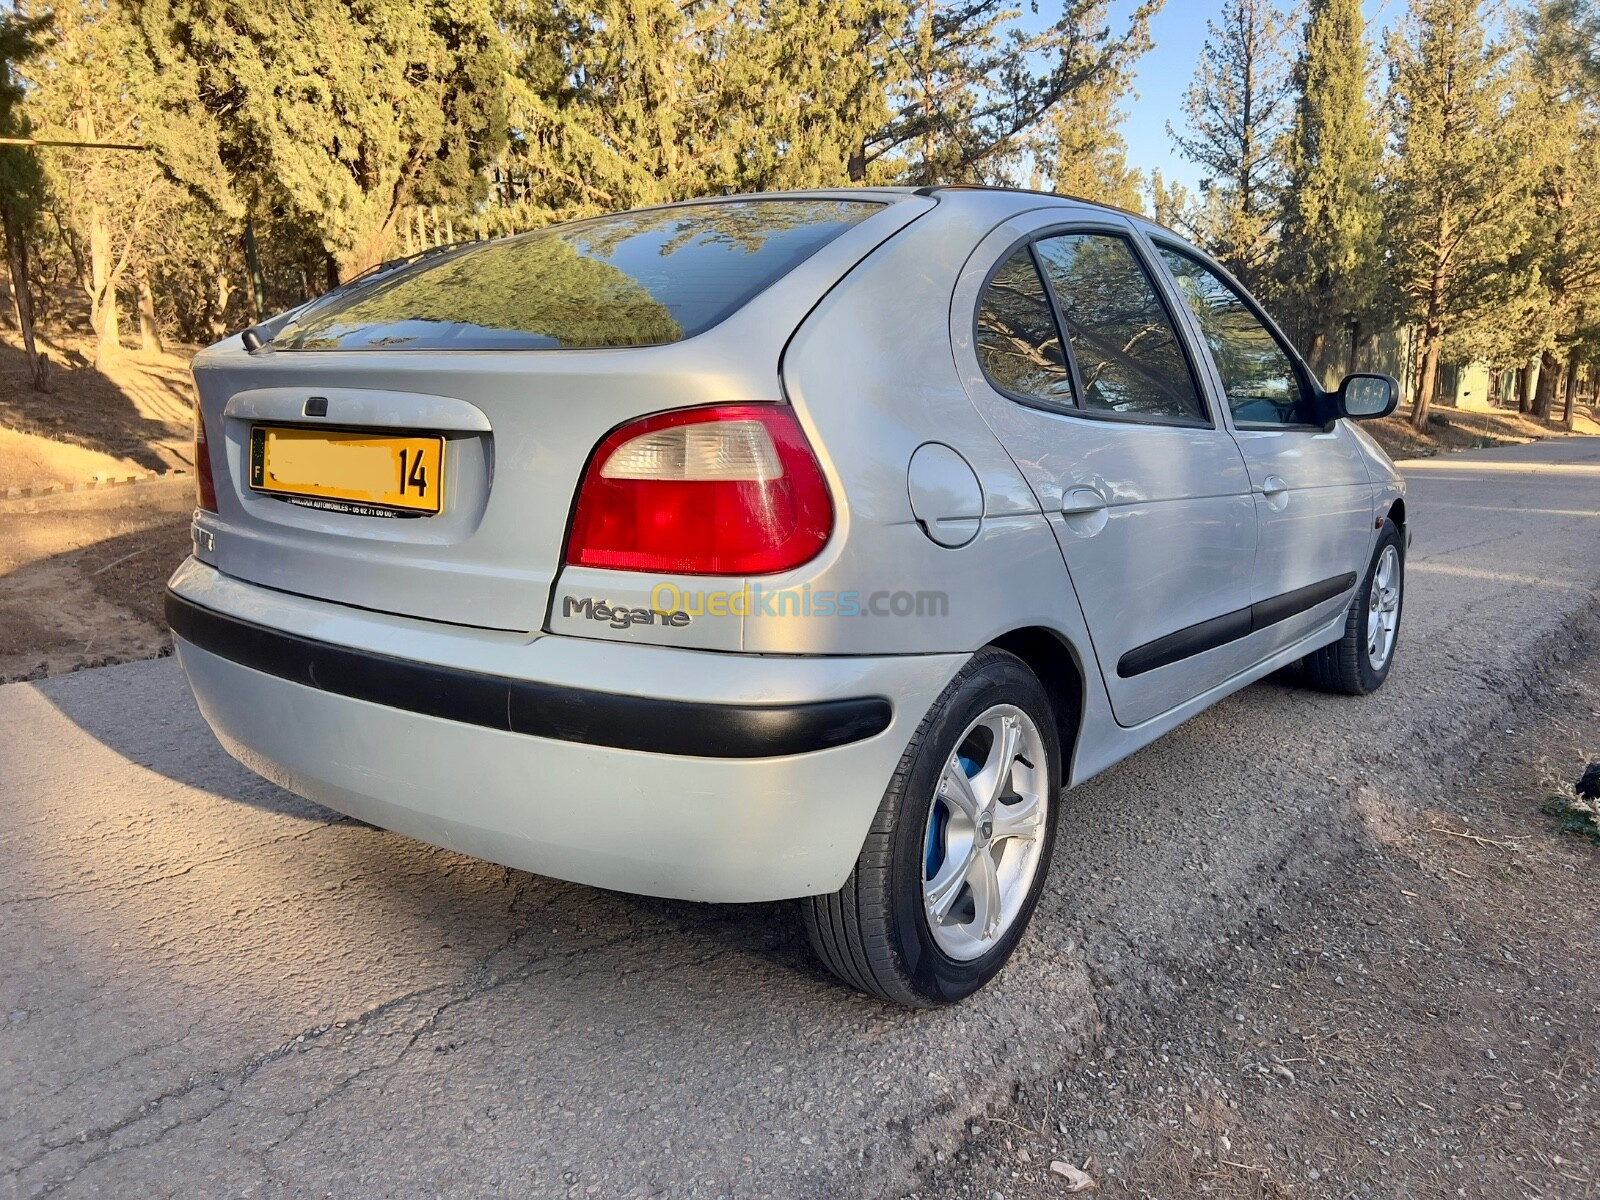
[(1060, 670)]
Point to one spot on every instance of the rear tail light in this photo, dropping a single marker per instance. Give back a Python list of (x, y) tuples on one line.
[(729, 490), (205, 482)]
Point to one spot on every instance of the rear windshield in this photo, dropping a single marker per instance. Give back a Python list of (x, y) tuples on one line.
[(635, 279)]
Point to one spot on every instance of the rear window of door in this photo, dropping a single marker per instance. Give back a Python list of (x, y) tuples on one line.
[(1018, 342), (635, 279), (1129, 359), (1260, 379)]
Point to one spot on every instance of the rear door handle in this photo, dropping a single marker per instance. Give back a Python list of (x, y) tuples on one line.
[(1082, 501), (1274, 492)]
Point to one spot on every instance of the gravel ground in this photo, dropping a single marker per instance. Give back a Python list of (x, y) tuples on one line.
[(1422, 1023)]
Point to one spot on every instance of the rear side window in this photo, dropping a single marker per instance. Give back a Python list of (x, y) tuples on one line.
[(635, 279), (1126, 349), (1018, 344)]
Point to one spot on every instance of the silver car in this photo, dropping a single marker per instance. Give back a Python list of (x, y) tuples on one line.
[(801, 545)]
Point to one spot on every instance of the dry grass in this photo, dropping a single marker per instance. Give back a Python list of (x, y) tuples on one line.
[(1452, 429)]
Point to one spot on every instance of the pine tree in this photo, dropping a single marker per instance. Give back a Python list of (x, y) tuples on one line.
[(979, 82), (1328, 249), (1081, 149), (803, 84), (1459, 203), (1236, 111), (355, 111), (21, 180), (1170, 204), (1565, 242)]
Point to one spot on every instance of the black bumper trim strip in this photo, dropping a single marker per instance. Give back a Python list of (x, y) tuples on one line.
[(1230, 626), (653, 726)]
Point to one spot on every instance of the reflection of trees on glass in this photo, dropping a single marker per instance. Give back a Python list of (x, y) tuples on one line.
[(1128, 356), (1017, 339), (634, 279), (540, 286), (1257, 374), (745, 225)]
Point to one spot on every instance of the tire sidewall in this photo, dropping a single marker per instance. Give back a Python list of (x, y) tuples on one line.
[(1372, 677), (932, 973)]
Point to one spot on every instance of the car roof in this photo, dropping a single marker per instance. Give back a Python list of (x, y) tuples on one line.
[(988, 194)]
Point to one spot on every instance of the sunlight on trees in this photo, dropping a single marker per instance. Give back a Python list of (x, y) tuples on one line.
[(1451, 196)]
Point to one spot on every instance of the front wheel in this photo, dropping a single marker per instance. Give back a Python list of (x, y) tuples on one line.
[(1359, 661), (956, 857)]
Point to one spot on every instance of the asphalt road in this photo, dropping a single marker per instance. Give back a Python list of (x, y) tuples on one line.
[(209, 986)]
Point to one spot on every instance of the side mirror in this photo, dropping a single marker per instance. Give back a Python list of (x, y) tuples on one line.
[(1362, 397)]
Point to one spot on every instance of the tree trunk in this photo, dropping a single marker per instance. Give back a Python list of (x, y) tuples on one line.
[(103, 314), (1525, 389), (219, 312), (1426, 386), (258, 282), (1355, 346), (1549, 380), (1571, 396), (858, 166), (17, 255), (101, 284), (149, 331), (1316, 354)]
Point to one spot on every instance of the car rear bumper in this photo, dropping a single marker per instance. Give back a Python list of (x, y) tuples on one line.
[(642, 768)]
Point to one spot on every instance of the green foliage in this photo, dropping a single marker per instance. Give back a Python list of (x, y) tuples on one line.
[(21, 182), (1080, 148), (353, 109), (1459, 207), (1574, 814), (1170, 204), (1563, 251), (1236, 111), (1328, 258), (579, 301)]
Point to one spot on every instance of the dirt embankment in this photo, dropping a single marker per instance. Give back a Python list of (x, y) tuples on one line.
[(130, 418), (81, 576), (1424, 1026)]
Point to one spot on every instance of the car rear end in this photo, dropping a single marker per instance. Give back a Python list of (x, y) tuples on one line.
[(400, 484)]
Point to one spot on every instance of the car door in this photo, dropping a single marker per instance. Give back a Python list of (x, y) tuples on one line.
[(1145, 489), (1313, 493)]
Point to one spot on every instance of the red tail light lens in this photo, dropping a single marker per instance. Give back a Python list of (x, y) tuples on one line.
[(205, 482), (729, 490)]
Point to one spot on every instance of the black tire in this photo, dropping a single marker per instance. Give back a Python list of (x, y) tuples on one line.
[(873, 933), (1345, 667)]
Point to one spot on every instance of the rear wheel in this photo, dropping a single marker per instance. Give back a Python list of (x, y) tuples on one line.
[(956, 857), (1359, 661)]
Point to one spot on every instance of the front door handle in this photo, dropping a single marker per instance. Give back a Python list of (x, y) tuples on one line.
[(1081, 501)]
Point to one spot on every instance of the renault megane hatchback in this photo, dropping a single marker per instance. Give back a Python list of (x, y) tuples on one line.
[(801, 545)]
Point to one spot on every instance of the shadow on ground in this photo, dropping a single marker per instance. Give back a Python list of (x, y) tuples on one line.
[(138, 409)]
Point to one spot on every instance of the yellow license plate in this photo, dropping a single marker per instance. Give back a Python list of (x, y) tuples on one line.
[(350, 472)]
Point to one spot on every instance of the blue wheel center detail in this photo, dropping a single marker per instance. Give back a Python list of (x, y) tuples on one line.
[(933, 855)]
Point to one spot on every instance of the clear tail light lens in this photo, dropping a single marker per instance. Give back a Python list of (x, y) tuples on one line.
[(725, 490)]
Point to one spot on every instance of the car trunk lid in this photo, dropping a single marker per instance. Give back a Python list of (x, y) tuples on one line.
[(517, 425)]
